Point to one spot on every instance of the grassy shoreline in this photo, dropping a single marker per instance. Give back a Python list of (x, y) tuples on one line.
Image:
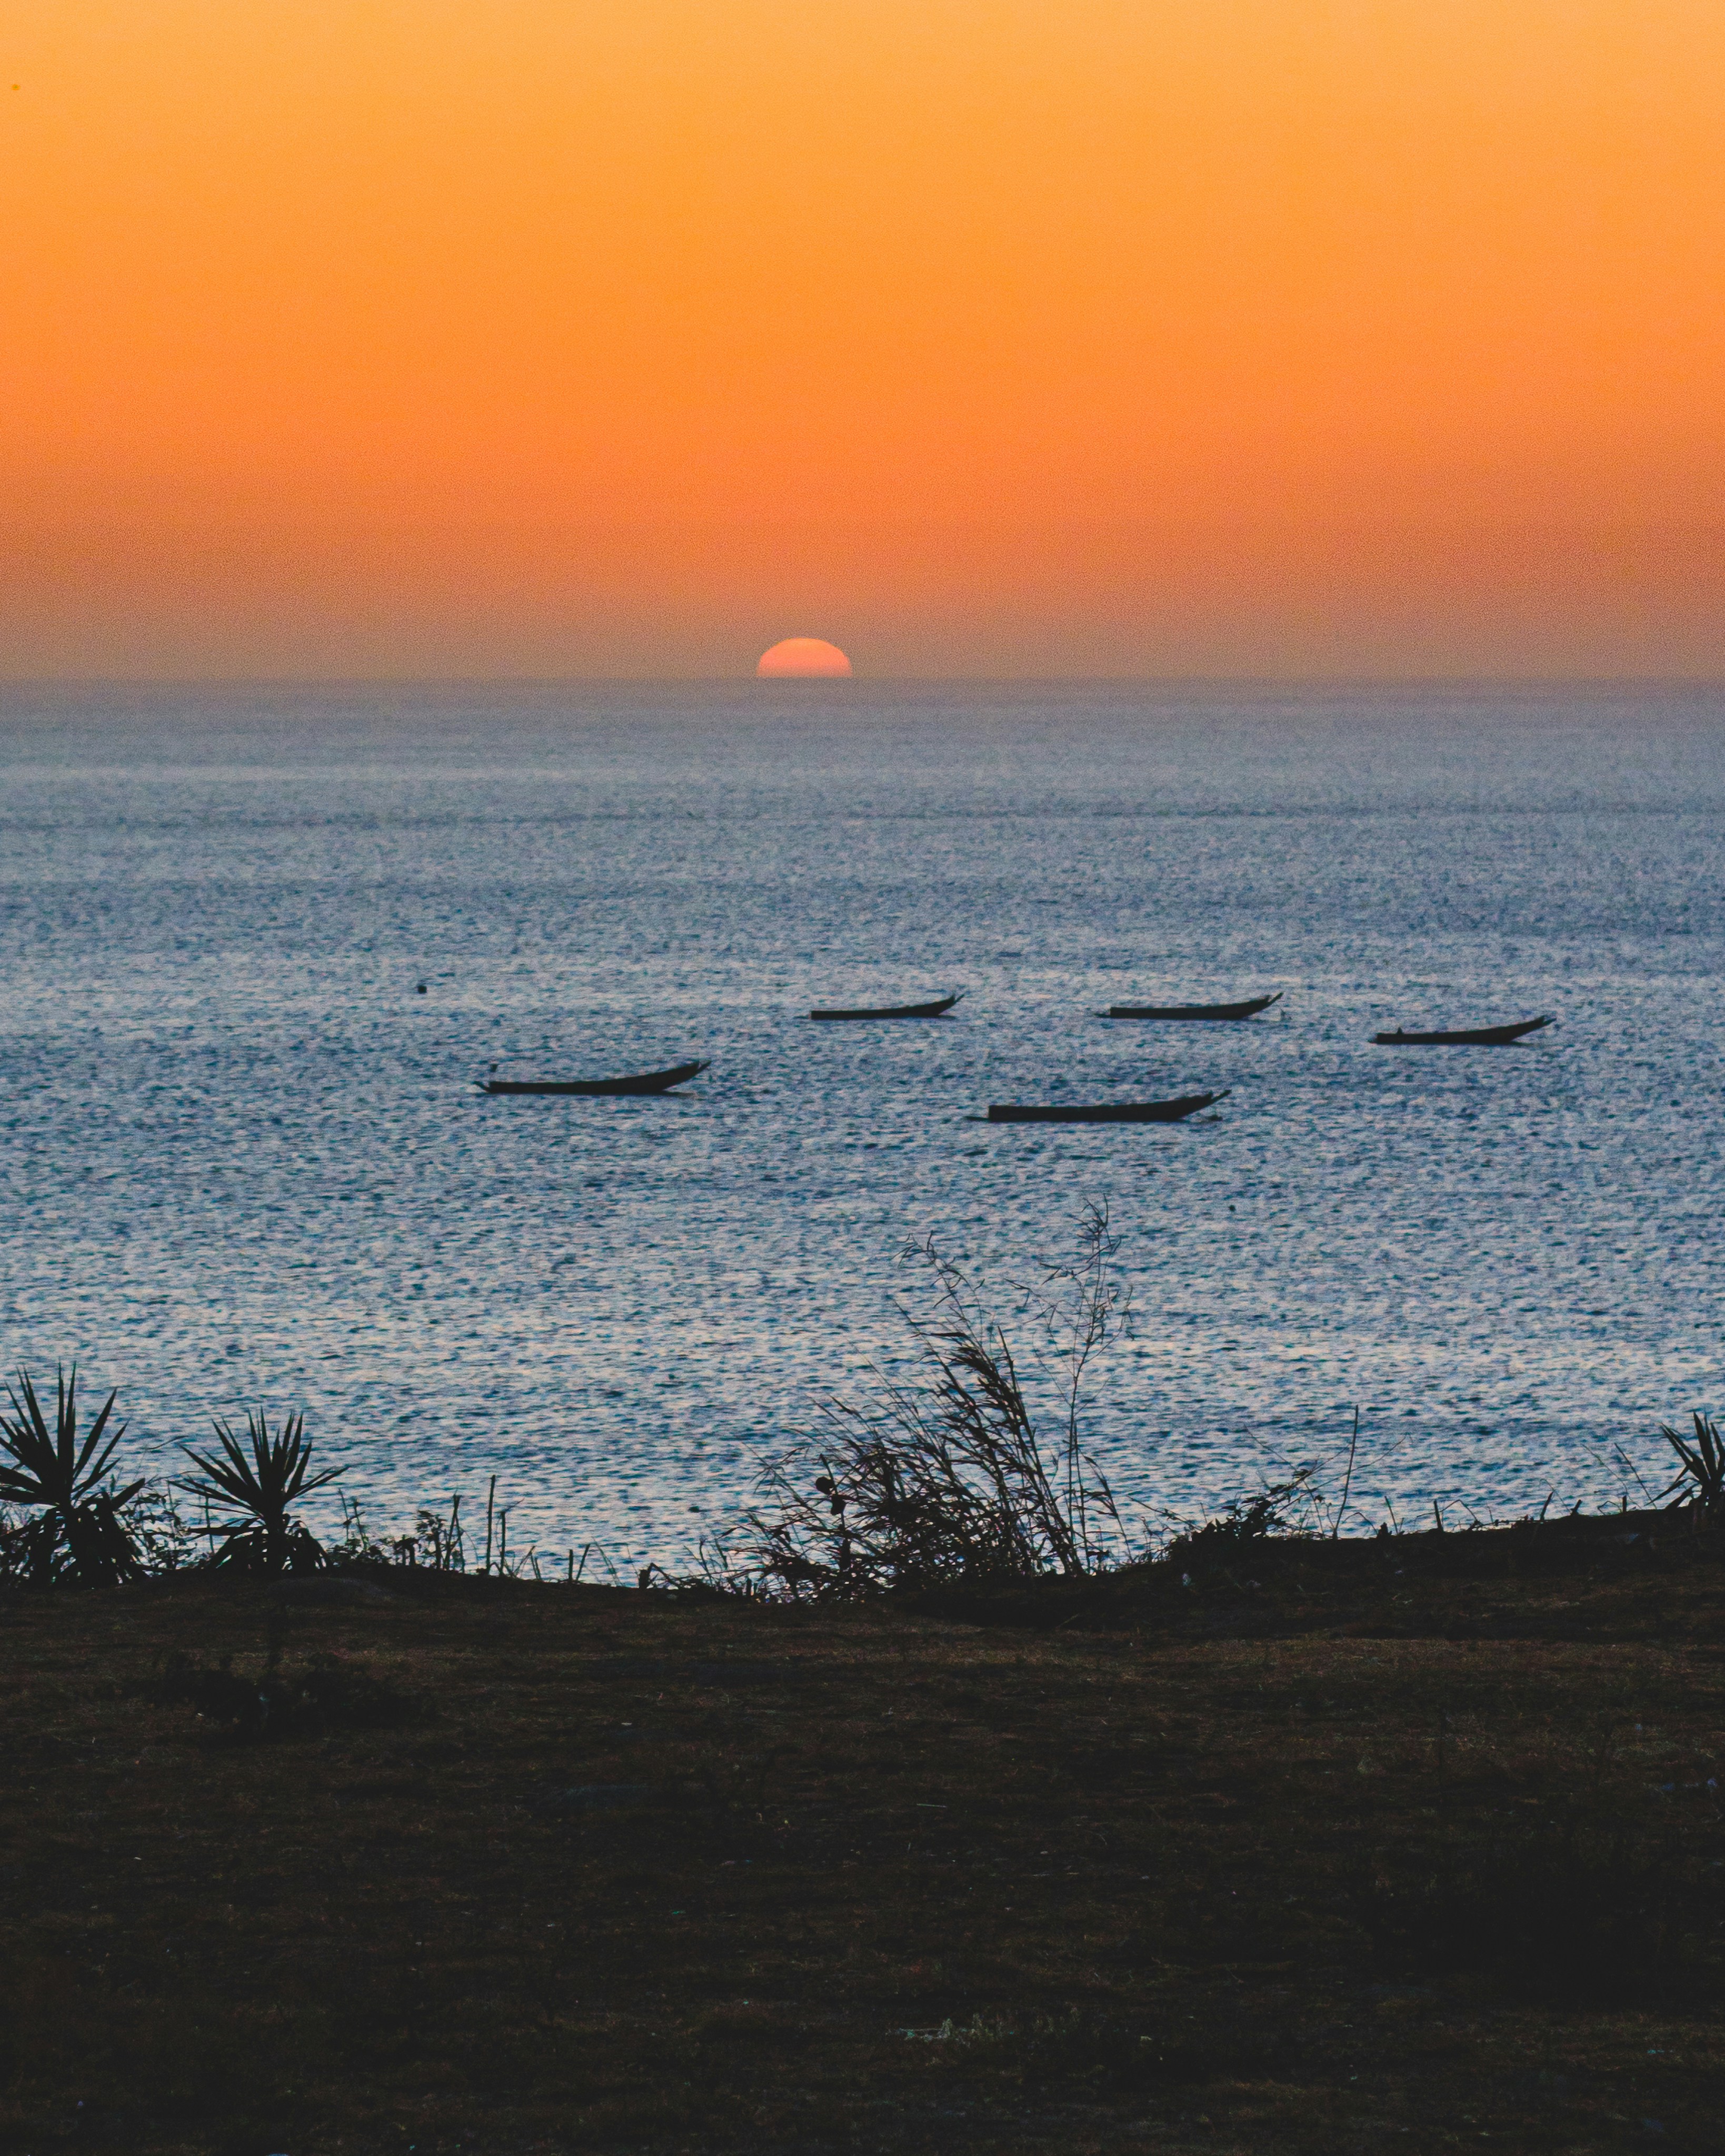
[(1305, 1847)]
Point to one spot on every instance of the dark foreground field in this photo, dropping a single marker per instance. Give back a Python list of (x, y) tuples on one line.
[(1414, 1847)]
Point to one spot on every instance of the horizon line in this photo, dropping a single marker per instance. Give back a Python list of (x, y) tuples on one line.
[(840, 683)]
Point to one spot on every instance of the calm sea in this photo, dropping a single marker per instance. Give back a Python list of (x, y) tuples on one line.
[(246, 1161)]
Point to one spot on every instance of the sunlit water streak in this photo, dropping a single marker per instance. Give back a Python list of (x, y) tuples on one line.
[(245, 1161)]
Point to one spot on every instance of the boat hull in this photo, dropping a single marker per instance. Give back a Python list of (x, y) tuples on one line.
[(937, 1008), (1479, 1036), (1124, 1111), (1198, 1013), (640, 1083)]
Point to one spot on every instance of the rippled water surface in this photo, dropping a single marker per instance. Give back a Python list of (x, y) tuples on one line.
[(245, 1159)]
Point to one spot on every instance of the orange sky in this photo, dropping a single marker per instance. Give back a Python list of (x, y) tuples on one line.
[(1043, 336)]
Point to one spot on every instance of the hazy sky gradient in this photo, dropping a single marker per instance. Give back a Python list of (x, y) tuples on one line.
[(989, 336)]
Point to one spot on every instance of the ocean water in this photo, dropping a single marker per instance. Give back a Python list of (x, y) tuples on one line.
[(245, 1161)]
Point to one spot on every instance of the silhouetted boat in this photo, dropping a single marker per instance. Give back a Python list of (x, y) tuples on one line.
[(1126, 1112), (1214, 1011), (938, 1009), (1478, 1036), (643, 1081)]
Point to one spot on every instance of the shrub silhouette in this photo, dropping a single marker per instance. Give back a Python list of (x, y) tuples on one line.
[(259, 1534), (78, 1534)]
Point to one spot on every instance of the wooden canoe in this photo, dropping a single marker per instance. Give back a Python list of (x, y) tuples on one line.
[(1215, 1012), (1479, 1036), (642, 1081), (938, 1009), (1124, 1111)]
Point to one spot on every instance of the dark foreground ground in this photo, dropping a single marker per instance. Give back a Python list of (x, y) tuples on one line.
[(1411, 1845)]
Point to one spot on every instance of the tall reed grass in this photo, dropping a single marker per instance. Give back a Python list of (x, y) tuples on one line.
[(955, 1476)]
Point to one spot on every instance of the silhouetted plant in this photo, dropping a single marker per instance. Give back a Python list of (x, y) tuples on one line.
[(256, 1490), (1702, 1476), (1283, 1509), (165, 1540), (437, 1542), (76, 1533), (953, 1480)]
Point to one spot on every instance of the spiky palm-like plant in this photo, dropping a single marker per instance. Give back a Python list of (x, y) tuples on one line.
[(1700, 1479), (77, 1533), (256, 1489)]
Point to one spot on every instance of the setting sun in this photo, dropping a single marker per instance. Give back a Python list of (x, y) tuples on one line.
[(803, 659)]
